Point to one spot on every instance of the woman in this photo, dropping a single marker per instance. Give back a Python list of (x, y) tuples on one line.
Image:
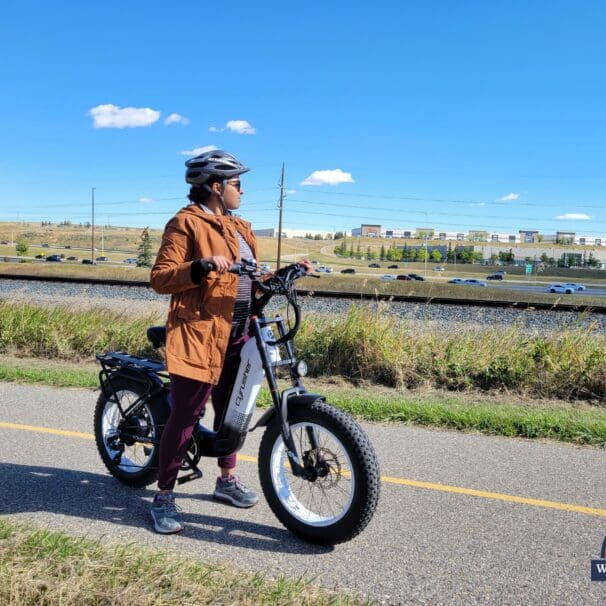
[(207, 321)]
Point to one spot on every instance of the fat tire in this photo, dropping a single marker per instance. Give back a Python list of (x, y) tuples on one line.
[(364, 465), (159, 411)]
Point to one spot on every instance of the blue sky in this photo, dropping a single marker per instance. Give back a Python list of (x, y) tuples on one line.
[(447, 114)]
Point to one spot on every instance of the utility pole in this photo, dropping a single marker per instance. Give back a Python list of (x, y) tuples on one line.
[(92, 244), (281, 205)]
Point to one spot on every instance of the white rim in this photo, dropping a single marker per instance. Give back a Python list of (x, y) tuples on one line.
[(135, 457), (324, 501)]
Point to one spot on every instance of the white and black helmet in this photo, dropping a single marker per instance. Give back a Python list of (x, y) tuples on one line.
[(215, 163)]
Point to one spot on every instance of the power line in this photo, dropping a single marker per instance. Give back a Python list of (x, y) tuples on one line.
[(503, 203)]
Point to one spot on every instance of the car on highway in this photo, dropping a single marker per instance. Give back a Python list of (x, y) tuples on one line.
[(388, 277), (417, 277), (348, 270), (474, 282), (437, 268), (456, 281), (392, 267), (103, 259), (575, 285), (375, 265), (495, 276), (564, 288), (323, 269), (40, 256), (403, 277), (130, 261), (54, 258), (88, 262), (72, 258)]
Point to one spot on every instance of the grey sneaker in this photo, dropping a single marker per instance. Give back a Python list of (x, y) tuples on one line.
[(234, 492), (166, 514)]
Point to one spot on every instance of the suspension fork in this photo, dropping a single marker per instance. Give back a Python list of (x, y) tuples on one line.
[(279, 404), (288, 345)]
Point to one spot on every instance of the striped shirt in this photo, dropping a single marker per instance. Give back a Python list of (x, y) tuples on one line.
[(243, 297)]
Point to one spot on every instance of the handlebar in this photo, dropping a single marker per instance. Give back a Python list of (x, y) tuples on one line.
[(277, 283)]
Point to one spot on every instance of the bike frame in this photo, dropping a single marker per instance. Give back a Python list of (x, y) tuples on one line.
[(225, 440)]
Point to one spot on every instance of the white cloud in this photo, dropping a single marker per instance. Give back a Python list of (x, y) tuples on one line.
[(574, 217), (242, 127), (197, 150), (328, 177), (146, 200), (112, 116), (509, 197), (176, 119)]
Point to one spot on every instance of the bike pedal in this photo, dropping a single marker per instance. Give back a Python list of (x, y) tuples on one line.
[(194, 475)]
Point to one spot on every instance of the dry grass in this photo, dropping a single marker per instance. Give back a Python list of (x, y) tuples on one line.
[(45, 568), (364, 344)]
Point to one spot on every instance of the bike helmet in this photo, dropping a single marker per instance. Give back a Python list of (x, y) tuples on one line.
[(215, 163)]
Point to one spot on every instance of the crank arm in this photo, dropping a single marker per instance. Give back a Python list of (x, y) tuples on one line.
[(196, 474)]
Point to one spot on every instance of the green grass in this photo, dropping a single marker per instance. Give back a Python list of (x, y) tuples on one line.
[(42, 567), (43, 372), (566, 424)]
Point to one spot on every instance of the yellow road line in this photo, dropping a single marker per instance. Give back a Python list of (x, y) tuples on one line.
[(498, 496), (57, 432)]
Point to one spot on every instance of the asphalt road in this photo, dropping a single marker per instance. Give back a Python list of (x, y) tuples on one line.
[(463, 518)]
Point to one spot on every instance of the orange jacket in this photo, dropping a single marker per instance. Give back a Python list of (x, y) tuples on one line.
[(200, 315)]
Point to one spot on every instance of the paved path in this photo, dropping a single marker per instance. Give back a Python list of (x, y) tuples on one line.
[(463, 519)]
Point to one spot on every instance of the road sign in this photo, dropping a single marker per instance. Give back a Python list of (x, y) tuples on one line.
[(528, 268)]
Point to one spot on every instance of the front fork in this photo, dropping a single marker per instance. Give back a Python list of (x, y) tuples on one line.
[(281, 402)]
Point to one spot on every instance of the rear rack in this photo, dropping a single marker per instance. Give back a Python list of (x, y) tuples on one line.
[(119, 358)]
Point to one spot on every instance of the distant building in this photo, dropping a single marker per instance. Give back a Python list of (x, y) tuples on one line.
[(272, 232), (528, 236), (477, 235), (506, 238), (367, 230), (565, 237)]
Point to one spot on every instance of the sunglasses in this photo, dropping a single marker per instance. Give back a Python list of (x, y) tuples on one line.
[(235, 184)]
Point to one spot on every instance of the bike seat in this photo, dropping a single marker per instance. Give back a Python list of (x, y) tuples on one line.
[(156, 335)]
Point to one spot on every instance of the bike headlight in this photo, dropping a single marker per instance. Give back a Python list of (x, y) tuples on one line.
[(302, 368)]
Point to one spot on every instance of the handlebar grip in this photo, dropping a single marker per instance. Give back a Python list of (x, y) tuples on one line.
[(208, 266)]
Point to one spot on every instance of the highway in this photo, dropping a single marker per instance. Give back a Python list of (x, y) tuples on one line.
[(462, 519)]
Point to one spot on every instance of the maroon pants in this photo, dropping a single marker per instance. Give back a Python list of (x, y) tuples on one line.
[(188, 400)]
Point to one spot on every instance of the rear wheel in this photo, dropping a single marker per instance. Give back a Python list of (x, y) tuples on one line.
[(122, 442), (337, 499)]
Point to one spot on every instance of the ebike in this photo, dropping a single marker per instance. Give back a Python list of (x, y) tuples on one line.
[(318, 470)]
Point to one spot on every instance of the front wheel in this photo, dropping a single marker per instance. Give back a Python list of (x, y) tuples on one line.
[(338, 498)]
